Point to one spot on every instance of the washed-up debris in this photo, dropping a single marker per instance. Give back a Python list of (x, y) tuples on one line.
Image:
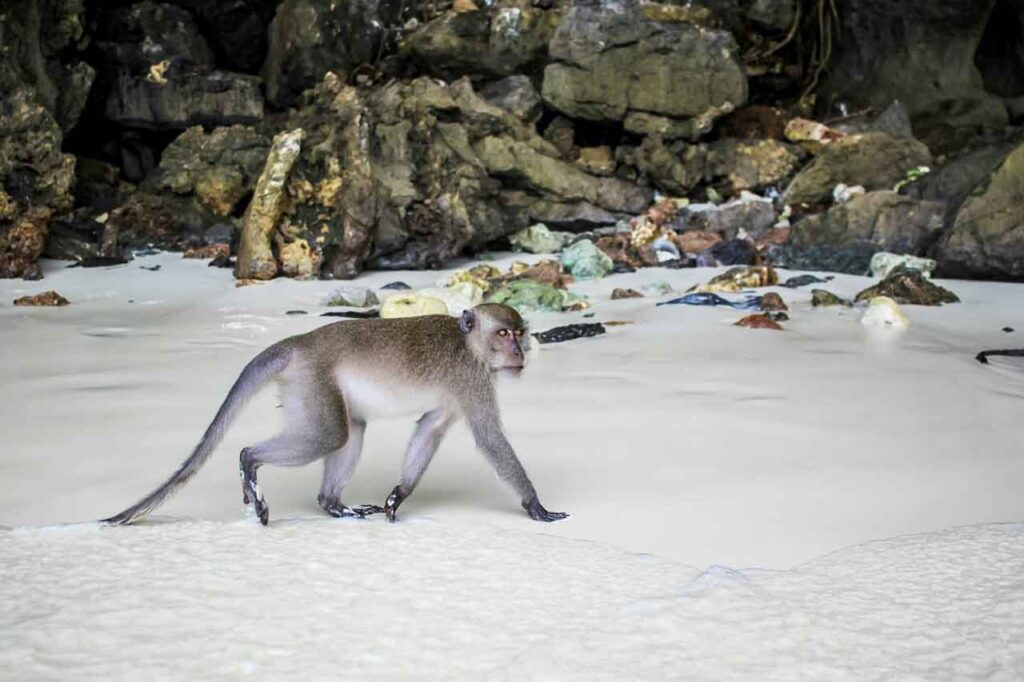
[(412, 305), (151, 268), (804, 280), (712, 299), (585, 261), (984, 355), (622, 268), (883, 263), (739, 278), (616, 323), (884, 312), (527, 296), (396, 286), (821, 298), (620, 293), (679, 263), (99, 262), (909, 287), (539, 239), (221, 262), (1008, 330), (296, 312), (355, 314), (772, 302), (209, 251), (570, 332), (732, 252), (351, 296), (47, 298), (758, 321)]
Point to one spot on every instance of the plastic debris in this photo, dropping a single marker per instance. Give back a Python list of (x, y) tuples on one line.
[(585, 261), (570, 332), (884, 312), (712, 299)]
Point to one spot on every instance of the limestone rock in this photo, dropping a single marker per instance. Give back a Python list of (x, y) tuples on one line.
[(255, 258), (516, 95), (873, 160), (894, 222), (585, 261), (47, 299), (988, 234), (883, 263), (610, 64), (909, 287), (215, 98), (22, 243), (751, 165), (539, 239)]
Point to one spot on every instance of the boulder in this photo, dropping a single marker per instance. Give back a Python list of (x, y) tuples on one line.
[(309, 38), (674, 168), (987, 238), (152, 220), (22, 243), (750, 214), (157, 102), (496, 41), (516, 95), (873, 160), (623, 66), (735, 165), (896, 223)]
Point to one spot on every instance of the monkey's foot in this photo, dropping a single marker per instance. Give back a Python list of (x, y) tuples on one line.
[(538, 513), (251, 493), (394, 500), (338, 510)]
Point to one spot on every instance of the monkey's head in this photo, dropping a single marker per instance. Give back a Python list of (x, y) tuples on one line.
[(497, 336)]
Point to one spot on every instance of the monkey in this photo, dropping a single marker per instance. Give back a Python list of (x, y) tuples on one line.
[(339, 376)]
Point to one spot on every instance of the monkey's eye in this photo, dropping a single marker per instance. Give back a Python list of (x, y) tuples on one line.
[(518, 333), (502, 332)]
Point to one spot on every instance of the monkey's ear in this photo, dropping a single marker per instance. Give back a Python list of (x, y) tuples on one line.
[(467, 322)]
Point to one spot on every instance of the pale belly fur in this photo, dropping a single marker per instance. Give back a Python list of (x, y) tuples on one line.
[(369, 399)]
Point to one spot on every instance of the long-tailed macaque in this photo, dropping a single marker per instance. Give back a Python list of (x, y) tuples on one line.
[(337, 377)]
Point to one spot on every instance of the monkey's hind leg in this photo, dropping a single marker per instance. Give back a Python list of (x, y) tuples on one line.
[(339, 466), (430, 428)]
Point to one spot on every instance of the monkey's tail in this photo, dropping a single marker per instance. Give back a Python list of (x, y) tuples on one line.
[(255, 376)]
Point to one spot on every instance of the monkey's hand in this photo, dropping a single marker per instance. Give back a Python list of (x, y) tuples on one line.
[(537, 511)]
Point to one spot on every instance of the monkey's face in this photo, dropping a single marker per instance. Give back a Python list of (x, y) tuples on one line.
[(498, 336)]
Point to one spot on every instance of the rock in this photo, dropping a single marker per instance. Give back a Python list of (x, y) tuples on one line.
[(751, 165), (696, 241), (842, 193), (987, 239), (255, 256), (909, 287), (457, 298), (528, 296), (931, 68), (775, 15), (618, 294), (882, 311), (236, 31), (22, 243), (758, 322), (570, 332), (412, 305), (516, 95), (674, 168), (147, 220), (218, 168), (596, 160), (309, 38), (611, 65), (754, 122), (894, 222), (539, 239), (496, 41), (772, 302), (804, 280), (208, 252), (135, 37), (210, 99), (811, 134), (620, 248), (396, 286), (821, 298), (739, 278), (853, 258), (749, 214), (732, 252), (561, 133), (883, 263), (585, 261), (873, 160), (47, 298), (351, 296), (547, 272)]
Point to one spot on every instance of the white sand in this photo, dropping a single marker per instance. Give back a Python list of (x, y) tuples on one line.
[(680, 436)]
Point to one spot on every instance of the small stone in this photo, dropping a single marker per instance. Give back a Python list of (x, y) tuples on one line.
[(822, 299), (884, 312), (778, 316), (539, 239), (547, 272), (803, 130), (412, 305), (151, 268), (596, 160), (296, 312), (351, 296), (210, 251), (696, 241), (732, 252), (772, 302), (909, 287), (526, 296), (758, 322), (570, 332), (221, 262), (1008, 330), (585, 261), (47, 298), (396, 286), (737, 279), (625, 293)]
